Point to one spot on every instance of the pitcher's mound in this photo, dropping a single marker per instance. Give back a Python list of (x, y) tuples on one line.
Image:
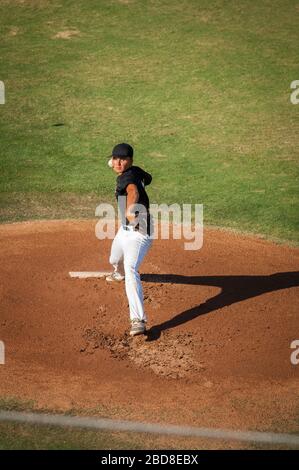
[(218, 345)]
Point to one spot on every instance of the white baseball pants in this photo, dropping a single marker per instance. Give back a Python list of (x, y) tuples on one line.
[(128, 249)]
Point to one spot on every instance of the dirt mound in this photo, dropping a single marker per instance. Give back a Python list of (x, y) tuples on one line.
[(217, 350), (171, 357)]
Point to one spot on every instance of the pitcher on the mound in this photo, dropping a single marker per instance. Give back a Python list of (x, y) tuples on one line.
[(133, 238)]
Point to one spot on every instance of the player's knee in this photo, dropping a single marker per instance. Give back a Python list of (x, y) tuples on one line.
[(114, 260), (131, 271)]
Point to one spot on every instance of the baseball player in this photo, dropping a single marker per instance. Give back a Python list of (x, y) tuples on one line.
[(133, 238)]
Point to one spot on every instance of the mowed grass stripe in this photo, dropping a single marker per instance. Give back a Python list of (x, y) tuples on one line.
[(200, 89)]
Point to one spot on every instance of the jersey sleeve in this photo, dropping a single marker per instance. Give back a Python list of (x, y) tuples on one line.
[(125, 180), (145, 177)]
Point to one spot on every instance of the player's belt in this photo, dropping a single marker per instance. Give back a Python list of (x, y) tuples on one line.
[(131, 228)]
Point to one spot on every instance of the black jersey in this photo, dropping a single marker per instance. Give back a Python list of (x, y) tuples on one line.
[(139, 177)]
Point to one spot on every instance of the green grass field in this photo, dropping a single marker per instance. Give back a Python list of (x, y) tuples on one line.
[(201, 89), (17, 436)]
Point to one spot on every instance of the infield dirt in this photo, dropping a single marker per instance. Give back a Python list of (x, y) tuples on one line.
[(217, 352)]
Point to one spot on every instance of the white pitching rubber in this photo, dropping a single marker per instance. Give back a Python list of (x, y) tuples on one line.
[(87, 274)]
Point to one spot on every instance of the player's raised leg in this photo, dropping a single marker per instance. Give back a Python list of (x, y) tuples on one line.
[(116, 259)]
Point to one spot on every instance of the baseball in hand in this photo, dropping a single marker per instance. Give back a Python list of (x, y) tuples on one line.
[(110, 164)]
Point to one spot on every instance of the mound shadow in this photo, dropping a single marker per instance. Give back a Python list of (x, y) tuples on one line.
[(234, 289)]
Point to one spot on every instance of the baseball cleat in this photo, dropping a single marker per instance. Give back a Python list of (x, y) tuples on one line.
[(137, 327), (115, 277)]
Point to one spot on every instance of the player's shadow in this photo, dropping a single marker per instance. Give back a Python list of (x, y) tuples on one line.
[(233, 289)]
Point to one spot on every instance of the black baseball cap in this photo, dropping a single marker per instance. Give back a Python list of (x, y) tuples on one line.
[(122, 150)]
